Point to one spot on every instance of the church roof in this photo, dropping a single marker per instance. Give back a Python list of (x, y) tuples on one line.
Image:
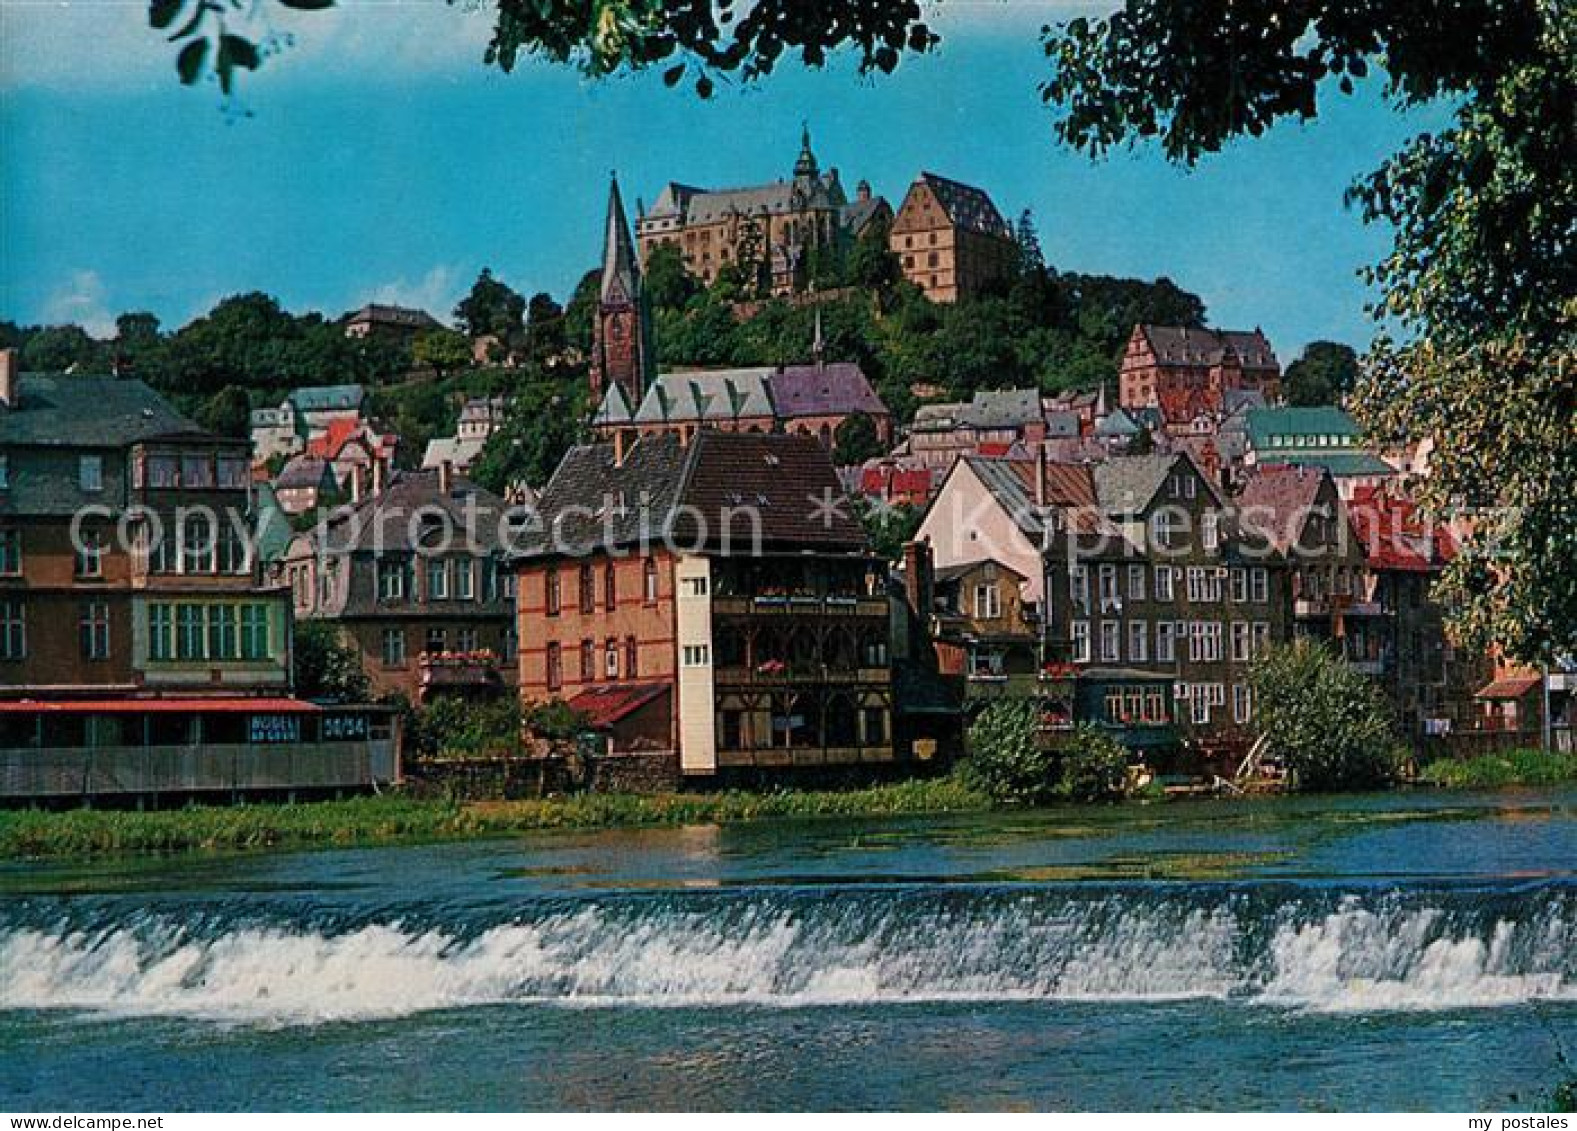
[(702, 395), (833, 389), (620, 282)]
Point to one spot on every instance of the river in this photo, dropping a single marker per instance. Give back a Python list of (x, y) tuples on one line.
[(1405, 951)]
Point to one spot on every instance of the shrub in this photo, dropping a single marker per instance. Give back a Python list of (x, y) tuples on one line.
[(1329, 724), (457, 728), (1005, 754), (1094, 766)]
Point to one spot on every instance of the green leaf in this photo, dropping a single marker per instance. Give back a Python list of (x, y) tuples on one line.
[(189, 63), (162, 13)]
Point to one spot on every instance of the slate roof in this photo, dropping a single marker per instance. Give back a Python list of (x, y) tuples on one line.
[(1274, 496), (1126, 484), (62, 410), (1117, 423), (620, 277), (1190, 346), (719, 394), (858, 213), (966, 206), (614, 409), (665, 488), (1011, 482), (987, 409), (405, 317), (834, 389), (383, 522), (304, 471)]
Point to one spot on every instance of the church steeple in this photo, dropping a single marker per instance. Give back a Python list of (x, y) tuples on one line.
[(621, 351), (806, 167)]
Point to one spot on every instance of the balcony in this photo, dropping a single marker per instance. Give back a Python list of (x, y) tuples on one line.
[(466, 672), (774, 674), (790, 605), (1315, 608)]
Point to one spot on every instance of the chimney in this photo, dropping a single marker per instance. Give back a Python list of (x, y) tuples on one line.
[(618, 447), (917, 577), (377, 477), (1040, 475), (445, 476), (8, 377)]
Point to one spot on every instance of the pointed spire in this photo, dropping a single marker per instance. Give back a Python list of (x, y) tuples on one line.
[(806, 165), (619, 272)]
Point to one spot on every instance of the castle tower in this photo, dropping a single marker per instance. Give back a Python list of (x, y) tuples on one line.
[(621, 349)]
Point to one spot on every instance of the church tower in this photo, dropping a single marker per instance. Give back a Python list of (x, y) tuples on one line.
[(621, 349)]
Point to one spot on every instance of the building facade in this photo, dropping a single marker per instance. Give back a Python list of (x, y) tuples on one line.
[(950, 239), (706, 595), (411, 577), (1189, 372)]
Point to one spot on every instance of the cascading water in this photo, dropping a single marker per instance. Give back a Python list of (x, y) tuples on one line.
[(1284, 947)]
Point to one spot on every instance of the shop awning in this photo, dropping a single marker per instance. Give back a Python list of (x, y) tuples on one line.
[(603, 706), (197, 705)]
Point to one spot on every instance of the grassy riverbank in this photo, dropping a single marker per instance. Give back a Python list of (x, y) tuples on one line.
[(370, 821), (1494, 771)]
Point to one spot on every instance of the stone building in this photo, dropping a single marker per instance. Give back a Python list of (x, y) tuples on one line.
[(411, 576), (775, 227), (709, 595), (401, 324), (1188, 372), (950, 239)]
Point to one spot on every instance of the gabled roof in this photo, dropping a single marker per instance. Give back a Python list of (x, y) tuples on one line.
[(64, 410), (614, 409), (1395, 535), (1011, 482), (1192, 346), (838, 388), (1126, 484), (1117, 423), (609, 703), (304, 471), (707, 394), (332, 440), (383, 522), (1276, 499), (858, 213), (1314, 421), (966, 206), (715, 487), (405, 317)]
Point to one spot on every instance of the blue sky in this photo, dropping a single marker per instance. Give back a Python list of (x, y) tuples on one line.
[(378, 159)]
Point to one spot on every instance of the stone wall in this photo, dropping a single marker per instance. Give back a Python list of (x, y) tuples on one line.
[(514, 779)]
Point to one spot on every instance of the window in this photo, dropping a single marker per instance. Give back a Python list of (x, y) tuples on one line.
[(437, 579), (1111, 641), (588, 661), (610, 658), (1108, 587), (1212, 641), (254, 632), (1239, 577), (189, 632), (1196, 640), (697, 655), (1261, 633), (94, 629), (232, 473), (1079, 587), (391, 579), (588, 591), (90, 473), (1196, 584), (1165, 587), (1259, 591), (1138, 638), (394, 647), (552, 597), (1163, 528), (5, 472), (632, 658), (466, 640), (489, 580), (10, 553), (555, 666), (696, 586), (197, 545), (1136, 583), (1242, 703), (1154, 705), (1200, 704), (649, 581), (1241, 642), (1081, 641), (13, 631), (196, 471), (163, 471), (465, 580), (1209, 528), (161, 626), (988, 601), (223, 643), (1165, 642), (610, 587)]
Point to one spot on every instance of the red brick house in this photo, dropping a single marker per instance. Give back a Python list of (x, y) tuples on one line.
[(1187, 372)]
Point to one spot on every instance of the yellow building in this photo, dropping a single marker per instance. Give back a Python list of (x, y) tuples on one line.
[(950, 239)]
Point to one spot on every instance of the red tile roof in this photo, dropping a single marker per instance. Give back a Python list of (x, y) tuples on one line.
[(1509, 687), (605, 705), (1393, 533)]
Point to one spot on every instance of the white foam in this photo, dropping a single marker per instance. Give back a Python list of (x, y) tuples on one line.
[(1351, 958)]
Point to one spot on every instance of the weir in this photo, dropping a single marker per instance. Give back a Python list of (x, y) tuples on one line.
[(1253, 946)]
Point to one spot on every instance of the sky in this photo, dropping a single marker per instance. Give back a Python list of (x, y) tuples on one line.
[(375, 158)]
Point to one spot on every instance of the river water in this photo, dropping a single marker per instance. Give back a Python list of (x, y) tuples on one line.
[(1378, 952)]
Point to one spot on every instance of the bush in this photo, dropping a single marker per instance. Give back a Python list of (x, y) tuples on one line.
[(1005, 755), (326, 668), (1331, 726), (1492, 771), (449, 727), (1094, 766)]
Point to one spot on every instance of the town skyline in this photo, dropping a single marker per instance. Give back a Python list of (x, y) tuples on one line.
[(1268, 241)]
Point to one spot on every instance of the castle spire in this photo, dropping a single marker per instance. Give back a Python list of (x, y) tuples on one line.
[(806, 165)]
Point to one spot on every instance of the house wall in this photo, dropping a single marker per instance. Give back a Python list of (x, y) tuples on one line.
[(965, 523), (693, 620)]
